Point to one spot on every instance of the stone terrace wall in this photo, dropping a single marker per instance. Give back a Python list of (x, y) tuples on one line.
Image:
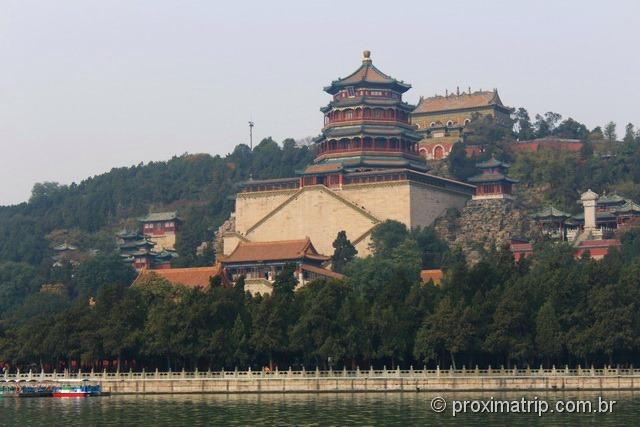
[(483, 225)]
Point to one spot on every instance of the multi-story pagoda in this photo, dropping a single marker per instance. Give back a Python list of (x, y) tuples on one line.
[(366, 127), (367, 170)]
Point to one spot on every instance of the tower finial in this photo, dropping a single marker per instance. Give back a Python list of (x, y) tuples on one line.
[(366, 56)]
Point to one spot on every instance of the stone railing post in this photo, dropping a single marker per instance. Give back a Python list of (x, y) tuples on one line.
[(317, 372), (411, 371), (515, 370), (384, 371), (370, 371), (344, 371), (464, 370), (290, 372), (183, 374), (593, 371), (358, 371), (553, 370), (398, 371), (437, 370), (489, 371), (450, 370), (477, 371)]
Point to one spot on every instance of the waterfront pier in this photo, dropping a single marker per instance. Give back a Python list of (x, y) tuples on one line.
[(350, 381)]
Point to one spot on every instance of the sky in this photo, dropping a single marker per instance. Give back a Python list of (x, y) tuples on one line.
[(89, 85)]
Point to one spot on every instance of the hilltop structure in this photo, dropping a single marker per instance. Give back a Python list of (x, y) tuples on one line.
[(161, 229), (139, 251), (492, 182), (441, 120), (368, 169), (603, 215)]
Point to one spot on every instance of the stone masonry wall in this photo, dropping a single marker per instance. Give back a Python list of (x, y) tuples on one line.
[(483, 225)]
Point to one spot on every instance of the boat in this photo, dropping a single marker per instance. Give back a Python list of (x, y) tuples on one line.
[(78, 390)]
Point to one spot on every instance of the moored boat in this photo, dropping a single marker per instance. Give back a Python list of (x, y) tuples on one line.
[(70, 391)]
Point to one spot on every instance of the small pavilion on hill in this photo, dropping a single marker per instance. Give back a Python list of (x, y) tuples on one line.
[(492, 182)]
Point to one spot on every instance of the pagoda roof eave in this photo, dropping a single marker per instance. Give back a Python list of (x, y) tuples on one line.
[(394, 85), (498, 177), (366, 100), (368, 130)]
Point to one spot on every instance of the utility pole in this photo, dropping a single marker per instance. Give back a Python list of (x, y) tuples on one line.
[(251, 134)]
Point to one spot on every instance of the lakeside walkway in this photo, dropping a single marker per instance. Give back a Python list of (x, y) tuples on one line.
[(314, 381)]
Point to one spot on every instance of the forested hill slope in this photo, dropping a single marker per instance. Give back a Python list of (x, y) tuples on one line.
[(198, 185)]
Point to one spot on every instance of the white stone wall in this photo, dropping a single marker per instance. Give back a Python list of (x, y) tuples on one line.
[(251, 207), (313, 213), (320, 213)]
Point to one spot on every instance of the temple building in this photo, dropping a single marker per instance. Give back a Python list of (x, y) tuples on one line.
[(552, 222), (260, 262), (605, 214), (367, 170), (161, 228), (492, 182), (139, 251), (441, 120), (64, 253)]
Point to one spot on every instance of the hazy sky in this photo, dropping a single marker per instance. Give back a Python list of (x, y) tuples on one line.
[(88, 85)]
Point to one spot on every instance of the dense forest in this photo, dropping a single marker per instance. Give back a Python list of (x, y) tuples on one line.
[(544, 310), (551, 309)]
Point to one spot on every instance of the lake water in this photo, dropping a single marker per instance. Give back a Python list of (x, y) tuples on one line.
[(399, 409)]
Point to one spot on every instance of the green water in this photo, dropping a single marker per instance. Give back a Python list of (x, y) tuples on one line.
[(399, 409)]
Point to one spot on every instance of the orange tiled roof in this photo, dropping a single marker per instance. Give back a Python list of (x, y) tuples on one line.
[(195, 277), (280, 250), (457, 102), (435, 275)]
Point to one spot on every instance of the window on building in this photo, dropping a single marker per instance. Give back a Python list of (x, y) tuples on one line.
[(351, 92), (349, 115), (376, 93), (449, 123), (432, 124), (168, 224)]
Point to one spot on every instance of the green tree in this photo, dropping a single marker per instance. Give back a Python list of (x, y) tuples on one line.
[(343, 252), (524, 128), (548, 332), (610, 132), (629, 134), (386, 236)]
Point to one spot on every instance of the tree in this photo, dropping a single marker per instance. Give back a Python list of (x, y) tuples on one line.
[(101, 270), (610, 132), (629, 134), (524, 128), (343, 252), (548, 332), (461, 165), (545, 125), (570, 128), (386, 236)]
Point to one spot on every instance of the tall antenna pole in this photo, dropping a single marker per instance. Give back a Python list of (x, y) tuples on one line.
[(251, 134)]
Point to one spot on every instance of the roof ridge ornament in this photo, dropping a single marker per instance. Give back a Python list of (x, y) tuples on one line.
[(366, 57)]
